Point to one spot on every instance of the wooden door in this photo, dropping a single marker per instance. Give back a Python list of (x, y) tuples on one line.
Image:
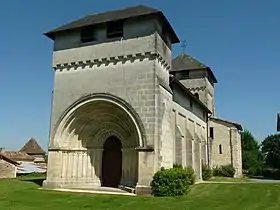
[(112, 162)]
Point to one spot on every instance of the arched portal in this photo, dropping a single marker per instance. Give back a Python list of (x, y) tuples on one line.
[(112, 162), (85, 137)]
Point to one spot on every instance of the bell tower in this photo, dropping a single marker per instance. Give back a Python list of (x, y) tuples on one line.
[(111, 77), (197, 77)]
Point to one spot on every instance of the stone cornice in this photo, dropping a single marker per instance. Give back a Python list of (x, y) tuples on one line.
[(113, 60)]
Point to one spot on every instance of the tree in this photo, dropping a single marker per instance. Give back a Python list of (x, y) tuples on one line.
[(252, 158), (271, 151)]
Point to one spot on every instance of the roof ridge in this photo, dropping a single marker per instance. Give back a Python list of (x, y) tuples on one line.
[(115, 15), (32, 147)]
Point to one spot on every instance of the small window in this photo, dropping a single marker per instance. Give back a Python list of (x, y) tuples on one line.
[(185, 75), (115, 29), (196, 95), (212, 132), (87, 34), (191, 104), (220, 149)]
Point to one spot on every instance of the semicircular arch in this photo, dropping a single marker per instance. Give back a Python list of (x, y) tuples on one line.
[(66, 119)]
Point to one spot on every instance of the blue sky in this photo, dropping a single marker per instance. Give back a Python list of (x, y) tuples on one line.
[(238, 39)]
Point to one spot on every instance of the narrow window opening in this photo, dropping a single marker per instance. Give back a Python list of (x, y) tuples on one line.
[(220, 149), (115, 29), (185, 75), (87, 34), (196, 95), (212, 132)]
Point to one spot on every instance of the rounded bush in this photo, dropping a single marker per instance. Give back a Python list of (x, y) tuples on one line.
[(225, 171), (171, 182), (207, 172)]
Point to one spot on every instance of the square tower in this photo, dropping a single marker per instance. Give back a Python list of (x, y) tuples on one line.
[(196, 77), (111, 87)]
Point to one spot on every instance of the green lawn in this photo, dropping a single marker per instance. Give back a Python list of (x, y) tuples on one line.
[(228, 179), (25, 195)]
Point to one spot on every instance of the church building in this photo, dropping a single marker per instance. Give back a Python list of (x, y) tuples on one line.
[(122, 108)]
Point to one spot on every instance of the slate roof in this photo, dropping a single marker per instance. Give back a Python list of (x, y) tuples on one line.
[(121, 14), (17, 156), (187, 62), (237, 125), (32, 148)]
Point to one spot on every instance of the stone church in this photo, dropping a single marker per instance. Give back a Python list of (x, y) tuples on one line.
[(122, 108)]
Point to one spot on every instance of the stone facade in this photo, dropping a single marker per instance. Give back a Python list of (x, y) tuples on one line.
[(226, 145), (121, 87)]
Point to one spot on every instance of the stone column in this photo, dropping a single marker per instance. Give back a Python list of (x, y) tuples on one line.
[(94, 172), (64, 165)]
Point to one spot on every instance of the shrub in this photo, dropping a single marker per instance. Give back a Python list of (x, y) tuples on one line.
[(254, 171), (271, 173), (207, 172), (171, 182), (225, 171), (190, 173)]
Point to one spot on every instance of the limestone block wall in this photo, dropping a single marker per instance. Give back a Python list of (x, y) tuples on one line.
[(226, 146), (221, 139), (7, 170), (131, 80), (189, 132), (126, 68), (165, 144)]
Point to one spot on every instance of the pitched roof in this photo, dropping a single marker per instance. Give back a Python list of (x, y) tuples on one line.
[(32, 148), (187, 62), (4, 157), (17, 156), (121, 14), (237, 125)]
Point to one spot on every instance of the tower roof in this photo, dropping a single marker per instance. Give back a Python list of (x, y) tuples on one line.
[(32, 148), (187, 62), (115, 15)]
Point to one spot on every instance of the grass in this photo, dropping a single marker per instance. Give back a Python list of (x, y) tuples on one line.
[(24, 194), (229, 179)]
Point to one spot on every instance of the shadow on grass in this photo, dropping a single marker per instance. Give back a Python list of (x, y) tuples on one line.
[(36, 180)]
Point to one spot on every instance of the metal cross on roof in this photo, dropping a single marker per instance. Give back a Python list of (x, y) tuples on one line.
[(184, 45)]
